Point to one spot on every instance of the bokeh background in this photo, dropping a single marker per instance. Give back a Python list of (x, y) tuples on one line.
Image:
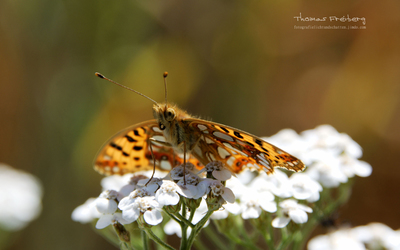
[(240, 63)]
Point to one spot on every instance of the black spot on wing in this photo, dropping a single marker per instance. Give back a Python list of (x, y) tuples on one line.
[(136, 132), (258, 141), (265, 150), (224, 129), (113, 145), (238, 135), (130, 139), (250, 144), (137, 148)]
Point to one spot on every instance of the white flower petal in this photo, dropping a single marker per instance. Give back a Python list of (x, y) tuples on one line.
[(173, 227), (268, 206), (165, 199), (222, 175), (127, 189), (104, 221), (86, 212), (153, 217), (280, 222), (228, 195), (106, 206), (232, 208), (362, 169), (305, 208), (125, 203), (130, 215), (191, 191), (251, 213), (298, 216)]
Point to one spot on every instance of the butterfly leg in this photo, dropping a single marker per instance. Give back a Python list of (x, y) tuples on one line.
[(154, 161), (184, 163)]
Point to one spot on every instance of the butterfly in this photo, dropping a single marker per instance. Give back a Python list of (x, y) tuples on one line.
[(173, 135)]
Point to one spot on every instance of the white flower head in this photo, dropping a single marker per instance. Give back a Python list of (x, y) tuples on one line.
[(341, 239), (107, 206), (107, 202), (86, 212), (377, 236), (178, 172), (168, 193), (305, 188), (150, 186), (107, 219), (131, 185), (216, 189), (351, 167), (324, 136), (222, 213), (191, 190), (146, 206), (140, 192), (372, 236), (218, 170), (254, 202), (278, 183), (350, 147), (291, 210), (327, 170), (20, 198)]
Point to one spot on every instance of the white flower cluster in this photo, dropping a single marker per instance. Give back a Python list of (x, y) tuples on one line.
[(331, 159), (373, 236), (20, 198), (126, 198)]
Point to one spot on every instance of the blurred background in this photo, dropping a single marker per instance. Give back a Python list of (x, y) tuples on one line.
[(240, 63)]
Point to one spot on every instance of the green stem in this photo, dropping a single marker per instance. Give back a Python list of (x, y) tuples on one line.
[(184, 227), (286, 239), (197, 228), (184, 220), (125, 246), (172, 216), (156, 239), (145, 240), (191, 218)]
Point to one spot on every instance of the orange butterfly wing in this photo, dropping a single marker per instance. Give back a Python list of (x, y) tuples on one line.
[(128, 151), (239, 150)]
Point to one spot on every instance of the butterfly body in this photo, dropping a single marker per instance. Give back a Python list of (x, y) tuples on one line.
[(174, 132), (171, 120)]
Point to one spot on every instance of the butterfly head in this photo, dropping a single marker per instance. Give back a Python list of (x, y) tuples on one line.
[(165, 115)]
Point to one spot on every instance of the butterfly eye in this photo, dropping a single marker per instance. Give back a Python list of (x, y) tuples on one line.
[(161, 126), (170, 114)]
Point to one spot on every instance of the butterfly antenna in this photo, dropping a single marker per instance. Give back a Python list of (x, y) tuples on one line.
[(165, 85), (123, 86)]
